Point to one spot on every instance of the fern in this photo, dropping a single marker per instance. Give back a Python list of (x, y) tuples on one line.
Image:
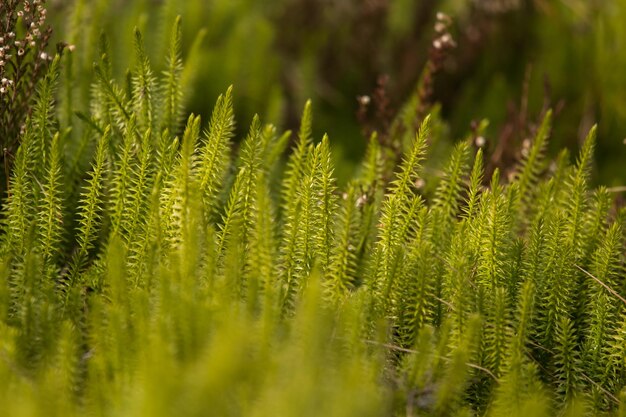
[(604, 314), (297, 161), (566, 359), (398, 214), (577, 187), (143, 88), (171, 94), (532, 165), (215, 151), (50, 213), (91, 206), (493, 237), (19, 209), (343, 263), (120, 190), (180, 186), (168, 277), (448, 192), (242, 198), (114, 101)]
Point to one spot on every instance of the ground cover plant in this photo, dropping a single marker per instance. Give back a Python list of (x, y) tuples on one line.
[(513, 59), (152, 265)]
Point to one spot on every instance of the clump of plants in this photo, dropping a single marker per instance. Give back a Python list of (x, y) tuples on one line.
[(150, 267), (24, 36)]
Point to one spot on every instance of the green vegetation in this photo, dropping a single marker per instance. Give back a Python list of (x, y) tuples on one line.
[(513, 60), (157, 263)]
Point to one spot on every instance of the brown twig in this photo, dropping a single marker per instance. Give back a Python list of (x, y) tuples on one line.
[(405, 350), (609, 289)]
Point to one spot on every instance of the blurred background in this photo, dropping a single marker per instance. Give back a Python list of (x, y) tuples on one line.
[(509, 60)]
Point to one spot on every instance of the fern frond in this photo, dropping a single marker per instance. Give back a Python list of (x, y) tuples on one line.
[(408, 176), (140, 185), (243, 193), (557, 281), (371, 170), (262, 248), (19, 207), (450, 393), (522, 322), (536, 253), (121, 180), (596, 220), (604, 308), (397, 222), (274, 147), (458, 286), (448, 191), (143, 87), (297, 161), (180, 186), (493, 236), (497, 332), (299, 245), (616, 350), (215, 151), (567, 359), (415, 292), (50, 216), (312, 226), (114, 100), (296, 252), (136, 215), (326, 201), (91, 205), (171, 93), (577, 188), (343, 259), (532, 164), (42, 119), (475, 185)]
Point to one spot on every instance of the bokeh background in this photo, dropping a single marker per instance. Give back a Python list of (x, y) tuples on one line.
[(512, 60)]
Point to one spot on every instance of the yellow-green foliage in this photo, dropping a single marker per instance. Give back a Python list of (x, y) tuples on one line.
[(155, 274)]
